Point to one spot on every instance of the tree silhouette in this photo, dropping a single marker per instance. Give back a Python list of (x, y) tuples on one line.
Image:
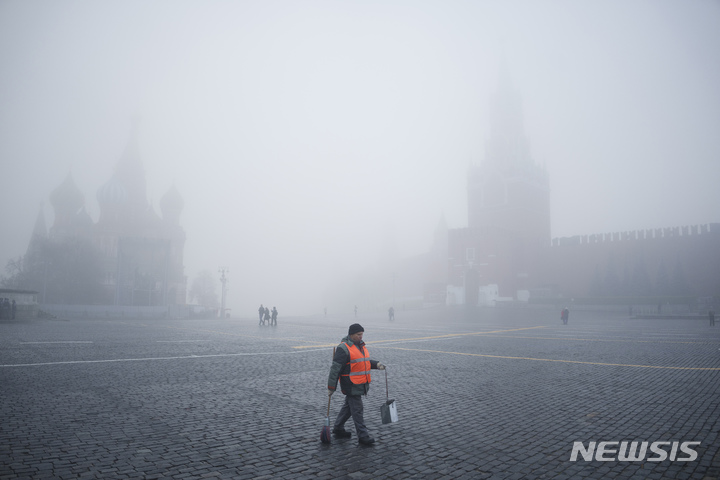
[(203, 289)]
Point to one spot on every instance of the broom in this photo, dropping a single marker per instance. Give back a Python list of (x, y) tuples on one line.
[(325, 432)]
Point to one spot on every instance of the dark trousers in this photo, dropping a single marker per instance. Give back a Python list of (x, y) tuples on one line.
[(353, 407)]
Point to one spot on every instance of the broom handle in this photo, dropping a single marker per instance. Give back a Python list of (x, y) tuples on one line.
[(387, 394), (329, 397)]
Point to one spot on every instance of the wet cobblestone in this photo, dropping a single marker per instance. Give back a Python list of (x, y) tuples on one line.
[(491, 394)]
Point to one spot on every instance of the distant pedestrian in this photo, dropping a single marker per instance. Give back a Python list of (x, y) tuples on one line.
[(391, 313), (14, 309), (274, 316), (565, 315), (266, 317), (355, 311), (711, 317), (261, 313)]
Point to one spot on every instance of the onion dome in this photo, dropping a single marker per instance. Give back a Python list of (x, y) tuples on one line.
[(171, 204), (67, 196), (113, 193)]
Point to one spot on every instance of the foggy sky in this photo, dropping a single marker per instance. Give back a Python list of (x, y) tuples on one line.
[(305, 134)]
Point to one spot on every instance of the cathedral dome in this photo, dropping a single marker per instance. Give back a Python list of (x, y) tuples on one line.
[(113, 193), (67, 196)]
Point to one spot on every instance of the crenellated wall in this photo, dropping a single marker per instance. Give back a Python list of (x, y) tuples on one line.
[(666, 261), (649, 234)]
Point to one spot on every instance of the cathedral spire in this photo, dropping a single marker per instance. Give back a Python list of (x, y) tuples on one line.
[(129, 170), (40, 228)]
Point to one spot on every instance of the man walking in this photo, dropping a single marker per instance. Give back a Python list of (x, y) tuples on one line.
[(352, 365)]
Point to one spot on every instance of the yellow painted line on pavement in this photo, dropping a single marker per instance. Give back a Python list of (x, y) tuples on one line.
[(553, 360), (433, 337)]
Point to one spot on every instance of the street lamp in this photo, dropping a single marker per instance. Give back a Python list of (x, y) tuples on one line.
[(223, 280)]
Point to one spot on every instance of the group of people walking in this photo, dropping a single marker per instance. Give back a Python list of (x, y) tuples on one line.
[(565, 315), (266, 315)]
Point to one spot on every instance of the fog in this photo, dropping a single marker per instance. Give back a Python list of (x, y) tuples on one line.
[(307, 137)]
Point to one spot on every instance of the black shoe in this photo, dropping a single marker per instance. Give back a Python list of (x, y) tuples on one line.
[(366, 440), (341, 433)]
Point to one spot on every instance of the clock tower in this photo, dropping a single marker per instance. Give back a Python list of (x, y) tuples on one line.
[(508, 202)]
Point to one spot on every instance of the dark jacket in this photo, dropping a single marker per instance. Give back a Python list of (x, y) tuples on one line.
[(341, 366)]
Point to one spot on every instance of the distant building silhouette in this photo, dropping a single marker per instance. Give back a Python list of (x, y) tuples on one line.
[(497, 254), (141, 253), (506, 252)]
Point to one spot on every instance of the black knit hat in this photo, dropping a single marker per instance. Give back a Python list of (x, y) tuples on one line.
[(355, 328)]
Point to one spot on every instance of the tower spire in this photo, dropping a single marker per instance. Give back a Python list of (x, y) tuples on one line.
[(130, 172)]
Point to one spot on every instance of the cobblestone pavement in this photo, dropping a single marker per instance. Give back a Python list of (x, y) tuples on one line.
[(492, 394)]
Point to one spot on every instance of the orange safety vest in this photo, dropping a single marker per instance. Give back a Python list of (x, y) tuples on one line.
[(359, 365)]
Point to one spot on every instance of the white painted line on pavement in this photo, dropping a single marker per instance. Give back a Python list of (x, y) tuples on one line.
[(58, 342), (220, 355)]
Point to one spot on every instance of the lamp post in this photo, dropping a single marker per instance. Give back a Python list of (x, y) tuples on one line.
[(223, 280), (393, 290)]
